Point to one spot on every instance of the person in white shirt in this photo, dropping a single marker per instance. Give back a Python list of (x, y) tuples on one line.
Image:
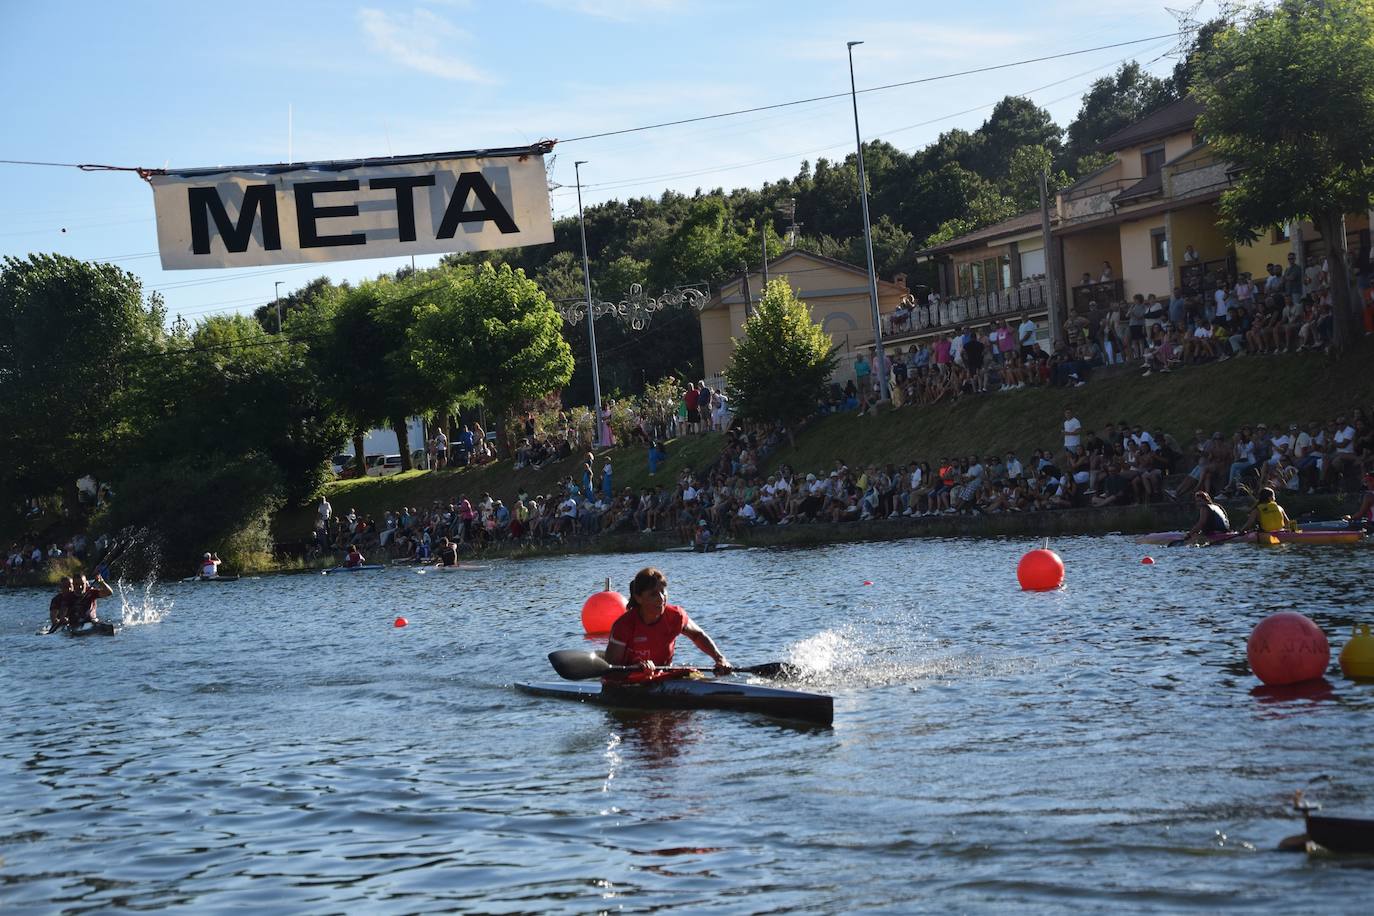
[(1071, 430), (1014, 468), (325, 509), (1026, 335)]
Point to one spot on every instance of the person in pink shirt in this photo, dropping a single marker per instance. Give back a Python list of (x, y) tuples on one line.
[(942, 347)]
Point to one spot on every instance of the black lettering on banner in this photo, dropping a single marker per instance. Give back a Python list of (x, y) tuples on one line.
[(205, 202), (307, 213), (405, 200), (474, 183)]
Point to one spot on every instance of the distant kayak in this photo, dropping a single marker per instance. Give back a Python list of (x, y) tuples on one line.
[(211, 579), (1284, 537), (714, 548), (461, 567), (366, 567), (694, 693)]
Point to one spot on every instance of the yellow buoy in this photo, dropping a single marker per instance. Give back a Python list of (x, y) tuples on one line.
[(1357, 658)]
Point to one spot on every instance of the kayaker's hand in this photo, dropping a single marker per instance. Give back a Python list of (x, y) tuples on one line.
[(646, 665), (723, 666)]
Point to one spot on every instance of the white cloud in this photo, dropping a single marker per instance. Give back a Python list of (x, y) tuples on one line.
[(618, 10), (421, 40)]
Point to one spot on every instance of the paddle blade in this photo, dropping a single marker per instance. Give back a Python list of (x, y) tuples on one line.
[(576, 665), (783, 671)]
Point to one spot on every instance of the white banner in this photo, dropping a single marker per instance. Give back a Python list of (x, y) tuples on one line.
[(342, 211)]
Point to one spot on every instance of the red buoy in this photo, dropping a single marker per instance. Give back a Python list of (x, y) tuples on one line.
[(601, 610), (1040, 571), (868, 582), (1287, 648), (401, 621)]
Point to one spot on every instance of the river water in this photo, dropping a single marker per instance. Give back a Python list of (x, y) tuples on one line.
[(278, 745)]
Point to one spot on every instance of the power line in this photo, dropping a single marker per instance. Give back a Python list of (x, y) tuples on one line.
[(837, 95)]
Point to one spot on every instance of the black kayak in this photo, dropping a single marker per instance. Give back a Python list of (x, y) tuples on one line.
[(696, 693), (99, 628), (1341, 834), (211, 579), (369, 567)]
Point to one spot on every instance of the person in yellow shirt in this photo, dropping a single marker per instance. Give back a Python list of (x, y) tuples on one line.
[(1267, 515)]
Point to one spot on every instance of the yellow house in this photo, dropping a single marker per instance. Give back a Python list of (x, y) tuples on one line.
[(836, 293), (1125, 229)]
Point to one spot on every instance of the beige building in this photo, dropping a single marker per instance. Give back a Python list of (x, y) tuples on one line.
[(836, 293), (1125, 229)]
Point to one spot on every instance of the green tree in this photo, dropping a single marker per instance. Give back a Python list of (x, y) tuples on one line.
[(1015, 122), (1112, 103), (238, 428), (1288, 100), (492, 333), (76, 340), (784, 361), (1028, 163), (362, 354)]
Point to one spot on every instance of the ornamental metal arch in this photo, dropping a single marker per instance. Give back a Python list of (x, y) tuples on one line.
[(636, 309)]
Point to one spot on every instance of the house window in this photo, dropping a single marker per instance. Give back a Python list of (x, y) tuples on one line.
[(1281, 234), (1151, 161), (977, 269), (991, 273), (965, 280), (1159, 248)]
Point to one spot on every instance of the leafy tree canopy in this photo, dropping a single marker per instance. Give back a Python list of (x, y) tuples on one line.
[(1288, 101), (784, 361)]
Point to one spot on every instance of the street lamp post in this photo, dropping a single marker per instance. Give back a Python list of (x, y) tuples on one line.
[(591, 317), (879, 360), (277, 287)]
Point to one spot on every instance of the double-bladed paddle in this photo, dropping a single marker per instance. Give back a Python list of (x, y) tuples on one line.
[(577, 665)]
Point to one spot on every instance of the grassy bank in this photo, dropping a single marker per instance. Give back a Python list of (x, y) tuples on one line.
[(419, 489), (1277, 390)]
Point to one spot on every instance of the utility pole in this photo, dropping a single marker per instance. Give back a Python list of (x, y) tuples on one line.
[(1051, 262), (879, 359), (765, 260), (748, 297), (591, 314), (277, 287)]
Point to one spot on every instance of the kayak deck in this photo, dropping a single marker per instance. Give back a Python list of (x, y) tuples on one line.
[(367, 567), (99, 628), (1284, 537), (692, 693)]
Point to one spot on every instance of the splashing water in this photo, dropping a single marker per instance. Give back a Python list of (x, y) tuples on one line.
[(855, 656), (140, 606)]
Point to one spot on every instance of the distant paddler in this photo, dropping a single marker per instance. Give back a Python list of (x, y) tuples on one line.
[(1267, 516), (1364, 516), (447, 553), (1211, 520), (209, 566), (355, 558)]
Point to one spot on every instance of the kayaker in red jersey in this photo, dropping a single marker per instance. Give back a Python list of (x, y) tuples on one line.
[(354, 558), (645, 635), (84, 597)]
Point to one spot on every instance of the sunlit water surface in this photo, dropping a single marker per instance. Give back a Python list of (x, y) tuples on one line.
[(277, 744)]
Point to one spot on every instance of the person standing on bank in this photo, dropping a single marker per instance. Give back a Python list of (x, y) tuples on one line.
[(645, 636)]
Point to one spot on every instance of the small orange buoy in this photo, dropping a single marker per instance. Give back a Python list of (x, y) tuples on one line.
[(1040, 571), (601, 610), (1147, 561), (401, 621)]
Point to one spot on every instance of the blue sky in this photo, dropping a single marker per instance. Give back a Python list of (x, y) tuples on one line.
[(189, 85)]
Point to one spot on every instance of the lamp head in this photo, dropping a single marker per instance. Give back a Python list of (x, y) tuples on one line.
[(850, 44)]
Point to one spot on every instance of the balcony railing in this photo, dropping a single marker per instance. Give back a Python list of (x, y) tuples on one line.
[(992, 304), (1106, 294)]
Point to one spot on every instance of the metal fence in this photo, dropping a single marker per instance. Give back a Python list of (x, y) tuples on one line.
[(936, 315)]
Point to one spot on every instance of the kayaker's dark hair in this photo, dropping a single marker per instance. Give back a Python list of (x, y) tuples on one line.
[(644, 580)]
